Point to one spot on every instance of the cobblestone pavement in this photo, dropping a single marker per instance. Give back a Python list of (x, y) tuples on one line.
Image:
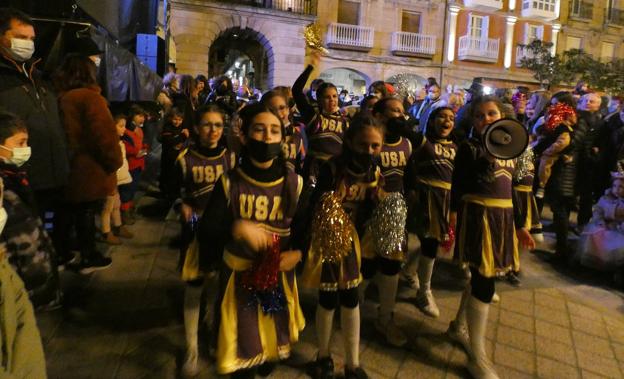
[(126, 322)]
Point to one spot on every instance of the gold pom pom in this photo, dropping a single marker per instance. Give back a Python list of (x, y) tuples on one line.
[(331, 229), (312, 36)]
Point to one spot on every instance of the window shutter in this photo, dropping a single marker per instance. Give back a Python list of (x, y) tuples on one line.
[(526, 33), (540, 33), (485, 27), (469, 31)]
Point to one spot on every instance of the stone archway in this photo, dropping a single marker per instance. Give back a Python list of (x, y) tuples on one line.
[(350, 79), (195, 27)]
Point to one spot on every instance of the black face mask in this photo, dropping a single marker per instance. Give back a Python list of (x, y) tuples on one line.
[(263, 152), (397, 126), (364, 161)]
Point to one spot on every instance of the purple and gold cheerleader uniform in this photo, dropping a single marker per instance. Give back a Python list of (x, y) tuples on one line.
[(358, 192), (394, 158), (293, 148), (199, 169), (482, 194), (248, 336), (430, 176), (524, 200)]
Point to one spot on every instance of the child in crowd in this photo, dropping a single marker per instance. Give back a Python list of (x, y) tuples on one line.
[(173, 139), (111, 211), (395, 154), (487, 236), (428, 186), (353, 176), (558, 134), (325, 128), (250, 213), (198, 169), (29, 249), (294, 151), (136, 151), (601, 245)]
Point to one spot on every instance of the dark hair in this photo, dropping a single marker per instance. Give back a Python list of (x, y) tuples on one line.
[(316, 83), (381, 105), (360, 122), (227, 80), (134, 110), (10, 125), (187, 85), (174, 112), (212, 108), (365, 100), (487, 99), (9, 14), (565, 97), (266, 98), (76, 71), (320, 91), (247, 115), (203, 79), (430, 131), (119, 116), (380, 86)]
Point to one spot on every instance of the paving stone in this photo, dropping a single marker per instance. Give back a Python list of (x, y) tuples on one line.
[(616, 333), (618, 348), (598, 364), (514, 358), (519, 306), (508, 373), (583, 311), (516, 338), (516, 320), (592, 375), (550, 301), (415, 368), (384, 359), (594, 327), (550, 369), (591, 343), (555, 350), (556, 316), (552, 331)]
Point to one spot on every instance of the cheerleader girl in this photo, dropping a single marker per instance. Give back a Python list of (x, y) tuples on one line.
[(353, 176), (326, 128), (487, 236), (293, 148), (198, 169), (428, 189), (246, 222), (395, 153)]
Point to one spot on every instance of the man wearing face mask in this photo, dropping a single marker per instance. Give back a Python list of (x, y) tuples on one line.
[(23, 92), (431, 102)]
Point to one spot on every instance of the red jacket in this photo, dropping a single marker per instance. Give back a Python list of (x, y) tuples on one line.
[(134, 143)]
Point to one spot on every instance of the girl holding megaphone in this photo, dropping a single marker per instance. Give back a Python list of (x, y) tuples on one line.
[(487, 238)]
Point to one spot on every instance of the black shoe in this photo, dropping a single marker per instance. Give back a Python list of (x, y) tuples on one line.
[(513, 279), (355, 373), (96, 263), (266, 369), (322, 368)]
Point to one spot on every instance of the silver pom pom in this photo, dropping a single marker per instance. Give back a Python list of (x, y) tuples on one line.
[(525, 165), (387, 225)]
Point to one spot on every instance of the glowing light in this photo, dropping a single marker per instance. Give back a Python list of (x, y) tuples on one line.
[(488, 90)]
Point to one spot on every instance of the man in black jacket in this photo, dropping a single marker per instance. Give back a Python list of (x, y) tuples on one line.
[(24, 93)]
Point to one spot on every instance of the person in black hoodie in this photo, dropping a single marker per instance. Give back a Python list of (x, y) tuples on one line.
[(173, 138), (223, 95)]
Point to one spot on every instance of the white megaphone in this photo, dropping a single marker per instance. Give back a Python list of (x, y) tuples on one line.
[(505, 138)]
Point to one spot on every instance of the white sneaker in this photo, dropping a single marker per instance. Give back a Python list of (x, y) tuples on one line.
[(427, 305), (394, 335), (482, 369), (458, 332), (539, 193), (190, 367), (495, 298)]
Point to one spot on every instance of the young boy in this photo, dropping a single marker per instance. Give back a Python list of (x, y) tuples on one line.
[(136, 151)]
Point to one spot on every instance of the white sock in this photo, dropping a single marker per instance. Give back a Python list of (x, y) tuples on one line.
[(192, 298), (411, 268), (350, 324), (324, 320), (388, 285), (425, 270), (463, 303)]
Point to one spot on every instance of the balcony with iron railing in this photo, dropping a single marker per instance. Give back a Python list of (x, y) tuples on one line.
[(484, 5), (543, 9), (523, 52), (582, 10), (413, 44), (614, 17), (349, 37), (478, 49), (306, 7)]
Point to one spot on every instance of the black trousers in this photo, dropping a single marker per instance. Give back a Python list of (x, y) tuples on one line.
[(561, 207), (81, 218)]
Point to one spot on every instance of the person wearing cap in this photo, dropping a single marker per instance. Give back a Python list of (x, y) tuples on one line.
[(24, 92), (463, 123)]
